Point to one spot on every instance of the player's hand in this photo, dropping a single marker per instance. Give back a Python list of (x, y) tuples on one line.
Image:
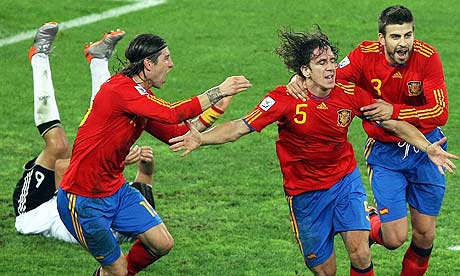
[(440, 157), (146, 163), (378, 111), (296, 88), (133, 155), (146, 154), (187, 142), (234, 85)]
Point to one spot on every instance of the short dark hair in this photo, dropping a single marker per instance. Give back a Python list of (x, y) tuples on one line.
[(297, 49), (141, 47), (396, 14)]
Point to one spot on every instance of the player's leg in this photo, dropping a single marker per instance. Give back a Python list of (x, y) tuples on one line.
[(46, 112), (425, 195), (418, 254), (136, 217), (89, 220), (390, 227), (311, 217), (97, 54), (351, 220)]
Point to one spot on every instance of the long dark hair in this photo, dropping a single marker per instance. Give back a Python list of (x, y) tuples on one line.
[(143, 46), (297, 48)]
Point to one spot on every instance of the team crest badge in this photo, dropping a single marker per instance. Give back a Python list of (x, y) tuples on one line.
[(415, 88), (344, 117)]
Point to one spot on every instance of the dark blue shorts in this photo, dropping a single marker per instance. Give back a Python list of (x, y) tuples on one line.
[(90, 220), (400, 174), (317, 216)]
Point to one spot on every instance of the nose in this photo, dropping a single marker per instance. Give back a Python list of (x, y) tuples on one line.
[(171, 64)]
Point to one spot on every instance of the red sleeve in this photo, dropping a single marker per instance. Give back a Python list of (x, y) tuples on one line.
[(350, 66), (434, 112), (136, 100), (270, 109), (164, 131)]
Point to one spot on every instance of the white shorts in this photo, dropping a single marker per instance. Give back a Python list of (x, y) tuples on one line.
[(44, 220)]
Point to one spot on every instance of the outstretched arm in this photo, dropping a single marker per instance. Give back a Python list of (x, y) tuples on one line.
[(231, 86), (414, 137), (224, 133)]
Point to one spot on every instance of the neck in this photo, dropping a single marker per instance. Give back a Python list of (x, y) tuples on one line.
[(142, 80), (317, 90)]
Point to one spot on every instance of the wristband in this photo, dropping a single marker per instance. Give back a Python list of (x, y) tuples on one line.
[(210, 115)]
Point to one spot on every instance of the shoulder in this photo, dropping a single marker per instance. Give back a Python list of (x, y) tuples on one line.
[(345, 87), (423, 49), (369, 47)]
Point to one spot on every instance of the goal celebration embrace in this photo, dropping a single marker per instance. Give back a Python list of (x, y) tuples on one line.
[(229, 138)]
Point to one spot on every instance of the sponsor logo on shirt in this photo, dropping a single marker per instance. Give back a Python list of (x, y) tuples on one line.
[(141, 90), (345, 61), (267, 103), (344, 117), (415, 88)]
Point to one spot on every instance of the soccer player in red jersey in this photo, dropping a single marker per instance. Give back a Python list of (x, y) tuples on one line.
[(94, 196), (321, 179), (407, 75)]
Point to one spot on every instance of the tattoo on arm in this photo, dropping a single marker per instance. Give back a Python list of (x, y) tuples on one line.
[(214, 95)]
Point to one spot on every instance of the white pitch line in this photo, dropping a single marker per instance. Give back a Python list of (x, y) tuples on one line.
[(88, 19), (454, 247)]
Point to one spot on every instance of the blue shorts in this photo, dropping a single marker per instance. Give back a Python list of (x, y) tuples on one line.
[(90, 220), (317, 216), (399, 174)]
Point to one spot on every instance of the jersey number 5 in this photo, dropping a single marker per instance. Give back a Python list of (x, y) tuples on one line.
[(301, 116)]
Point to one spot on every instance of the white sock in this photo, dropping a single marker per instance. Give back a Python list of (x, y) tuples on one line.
[(99, 74), (45, 107)]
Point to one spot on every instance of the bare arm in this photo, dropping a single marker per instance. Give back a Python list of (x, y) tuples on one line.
[(414, 137), (231, 86), (224, 133), (209, 116)]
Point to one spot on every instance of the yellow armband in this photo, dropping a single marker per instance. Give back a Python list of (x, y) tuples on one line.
[(210, 115)]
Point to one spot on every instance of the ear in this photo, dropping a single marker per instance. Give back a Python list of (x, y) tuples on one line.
[(382, 38), (148, 64), (306, 71)]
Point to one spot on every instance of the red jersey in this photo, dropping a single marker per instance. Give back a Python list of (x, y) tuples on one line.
[(416, 89), (312, 145), (120, 112)]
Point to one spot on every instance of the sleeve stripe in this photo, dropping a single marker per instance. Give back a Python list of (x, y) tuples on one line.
[(165, 103), (349, 89), (251, 117), (374, 47), (435, 111), (423, 49)]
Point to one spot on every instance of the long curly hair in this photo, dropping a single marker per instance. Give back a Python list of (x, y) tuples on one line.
[(297, 48)]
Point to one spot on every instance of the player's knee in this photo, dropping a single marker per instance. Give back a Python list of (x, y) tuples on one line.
[(393, 244), (394, 239), (424, 239), (59, 147), (360, 257), (165, 246)]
